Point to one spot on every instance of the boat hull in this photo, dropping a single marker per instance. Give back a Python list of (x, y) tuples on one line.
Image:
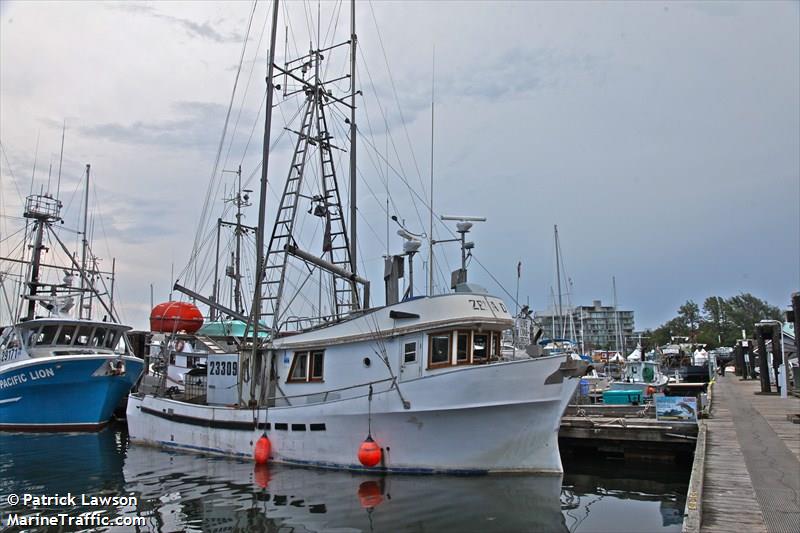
[(69, 393), (492, 418)]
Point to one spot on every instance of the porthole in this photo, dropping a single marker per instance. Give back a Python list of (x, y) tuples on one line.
[(367, 362)]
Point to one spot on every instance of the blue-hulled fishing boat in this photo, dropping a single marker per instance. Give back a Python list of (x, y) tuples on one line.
[(59, 373)]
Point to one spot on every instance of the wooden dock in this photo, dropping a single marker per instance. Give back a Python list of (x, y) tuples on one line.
[(625, 431), (746, 474)]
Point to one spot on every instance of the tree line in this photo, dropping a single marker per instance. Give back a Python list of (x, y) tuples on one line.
[(719, 323)]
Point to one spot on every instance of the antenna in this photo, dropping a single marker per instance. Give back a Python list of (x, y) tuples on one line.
[(85, 240), (61, 158), (463, 227), (430, 227)]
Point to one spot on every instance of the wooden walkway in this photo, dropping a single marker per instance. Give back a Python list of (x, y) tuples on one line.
[(751, 475)]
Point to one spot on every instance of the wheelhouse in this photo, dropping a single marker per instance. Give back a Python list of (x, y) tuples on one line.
[(69, 337)]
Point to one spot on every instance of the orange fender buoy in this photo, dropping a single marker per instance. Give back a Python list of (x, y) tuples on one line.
[(369, 453), (650, 390), (261, 454)]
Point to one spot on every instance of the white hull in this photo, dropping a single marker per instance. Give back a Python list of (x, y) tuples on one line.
[(475, 419)]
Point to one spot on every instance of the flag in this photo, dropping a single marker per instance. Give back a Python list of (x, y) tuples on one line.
[(519, 270)]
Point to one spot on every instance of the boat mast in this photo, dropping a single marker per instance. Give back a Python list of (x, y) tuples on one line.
[(262, 203), (616, 314), (85, 242), (43, 209), (558, 278), (353, 133), (430, 220), (212, 311), (35, 263)]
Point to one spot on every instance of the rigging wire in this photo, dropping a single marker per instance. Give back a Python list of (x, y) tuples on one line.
[(209, 192)]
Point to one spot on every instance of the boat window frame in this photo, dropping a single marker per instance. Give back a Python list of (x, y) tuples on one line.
[(313, 355), (102, 342), (449, 361), (79, 333), (310, 356), (493, 347), (34, 342), (406, 344), (487, 348), (71, 328), (112, 339), (468, 334)]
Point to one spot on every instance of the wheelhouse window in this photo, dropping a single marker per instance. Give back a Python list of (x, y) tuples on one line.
[(46, 335), (307, 366), (82, 336), (470, 347), (98, 337), (112, 339), (439, 349), (480, 347), (410, 352), (66, 335), (462, 347)]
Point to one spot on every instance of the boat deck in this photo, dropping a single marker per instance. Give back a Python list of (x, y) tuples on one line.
[(748, 479)]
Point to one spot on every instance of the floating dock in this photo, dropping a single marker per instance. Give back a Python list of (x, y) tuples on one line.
[(629, 432), (746, 472)]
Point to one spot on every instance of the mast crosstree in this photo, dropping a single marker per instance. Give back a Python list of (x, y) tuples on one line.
[(337, 257)]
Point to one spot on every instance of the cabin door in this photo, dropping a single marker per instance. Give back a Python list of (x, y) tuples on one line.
[(410, 353)]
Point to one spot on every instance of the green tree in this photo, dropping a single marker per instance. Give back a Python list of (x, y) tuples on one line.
[(721, 321), (689, 315), (717, 326), (663, 334), (743, 311)]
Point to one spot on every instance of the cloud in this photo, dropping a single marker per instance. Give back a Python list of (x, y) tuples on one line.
[(203, 30), (196, 128)]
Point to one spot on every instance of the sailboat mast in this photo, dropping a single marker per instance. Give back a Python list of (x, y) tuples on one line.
[(353, 133), (262, 203), (85, 242)]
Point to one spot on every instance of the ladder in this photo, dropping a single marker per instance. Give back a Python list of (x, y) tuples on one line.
[(276, 258), (336, 244), (345, 294)]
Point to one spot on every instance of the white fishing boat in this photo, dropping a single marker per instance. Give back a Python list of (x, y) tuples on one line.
[(645, 376), (422, 376)]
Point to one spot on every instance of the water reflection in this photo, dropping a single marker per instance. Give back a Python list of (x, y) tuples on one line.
[(623, 496), (178, 492), (221, 495)]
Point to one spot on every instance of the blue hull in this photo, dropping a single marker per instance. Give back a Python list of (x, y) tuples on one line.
[(63, 394)]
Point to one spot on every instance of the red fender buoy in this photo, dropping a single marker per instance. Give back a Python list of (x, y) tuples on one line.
[(369, 453), (261, 454), (650, 390)]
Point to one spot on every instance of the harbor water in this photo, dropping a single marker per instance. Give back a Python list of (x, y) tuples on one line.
[(173, 491)]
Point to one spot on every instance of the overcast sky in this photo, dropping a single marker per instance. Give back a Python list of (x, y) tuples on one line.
[(663, 138)]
